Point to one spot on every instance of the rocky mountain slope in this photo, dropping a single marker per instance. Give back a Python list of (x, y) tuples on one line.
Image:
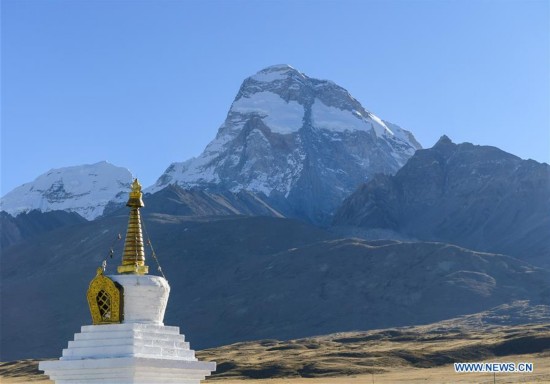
[(476, 196), (238, 278), (175, 200), (298, 141), (84, 189), (27, 225)]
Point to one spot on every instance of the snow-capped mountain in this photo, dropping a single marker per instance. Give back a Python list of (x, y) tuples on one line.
[(296, 139), (84, 189)]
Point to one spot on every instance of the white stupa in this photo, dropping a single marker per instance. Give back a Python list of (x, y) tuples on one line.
[(128, 341)]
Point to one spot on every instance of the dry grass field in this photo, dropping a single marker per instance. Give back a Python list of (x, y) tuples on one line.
[(444, 374), (422, 354)]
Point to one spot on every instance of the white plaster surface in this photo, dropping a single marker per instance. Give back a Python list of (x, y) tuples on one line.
[(128, 353), (127, 370), (127, 340), (145, 298)]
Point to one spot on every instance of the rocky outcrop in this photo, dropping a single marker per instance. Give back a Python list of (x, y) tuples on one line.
[(479, 197)]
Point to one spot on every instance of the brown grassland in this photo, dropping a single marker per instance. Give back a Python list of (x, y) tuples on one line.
[(422, 354)]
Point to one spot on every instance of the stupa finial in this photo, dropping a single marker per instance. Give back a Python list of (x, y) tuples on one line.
[(133, 258)]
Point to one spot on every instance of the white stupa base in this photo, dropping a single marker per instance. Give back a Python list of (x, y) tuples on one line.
[(128, 353), (127, 370)]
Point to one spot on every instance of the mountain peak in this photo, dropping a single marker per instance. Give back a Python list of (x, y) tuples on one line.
[(276, 72), (444, 145), (277, 68), (444, 140), (288, 136), (84, 189)]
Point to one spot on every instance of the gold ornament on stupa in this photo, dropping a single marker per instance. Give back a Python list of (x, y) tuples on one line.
[(133, 258), (105, 296), (105, 299)]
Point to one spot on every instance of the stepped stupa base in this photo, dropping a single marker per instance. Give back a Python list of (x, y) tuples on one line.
[(127, 370), (128, 353)]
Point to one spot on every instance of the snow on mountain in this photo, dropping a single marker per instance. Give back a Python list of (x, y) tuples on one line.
[(296, 138), (84, 189), (280, 116)]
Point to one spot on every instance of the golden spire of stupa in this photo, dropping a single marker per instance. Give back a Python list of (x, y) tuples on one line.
[(133, 258)]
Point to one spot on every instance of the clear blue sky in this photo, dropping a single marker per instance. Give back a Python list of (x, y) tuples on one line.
[(142, 84)]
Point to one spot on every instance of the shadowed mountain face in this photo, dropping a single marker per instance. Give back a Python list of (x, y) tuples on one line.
[(175, 200), (475, 196), (238, 278), (27, 225)]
